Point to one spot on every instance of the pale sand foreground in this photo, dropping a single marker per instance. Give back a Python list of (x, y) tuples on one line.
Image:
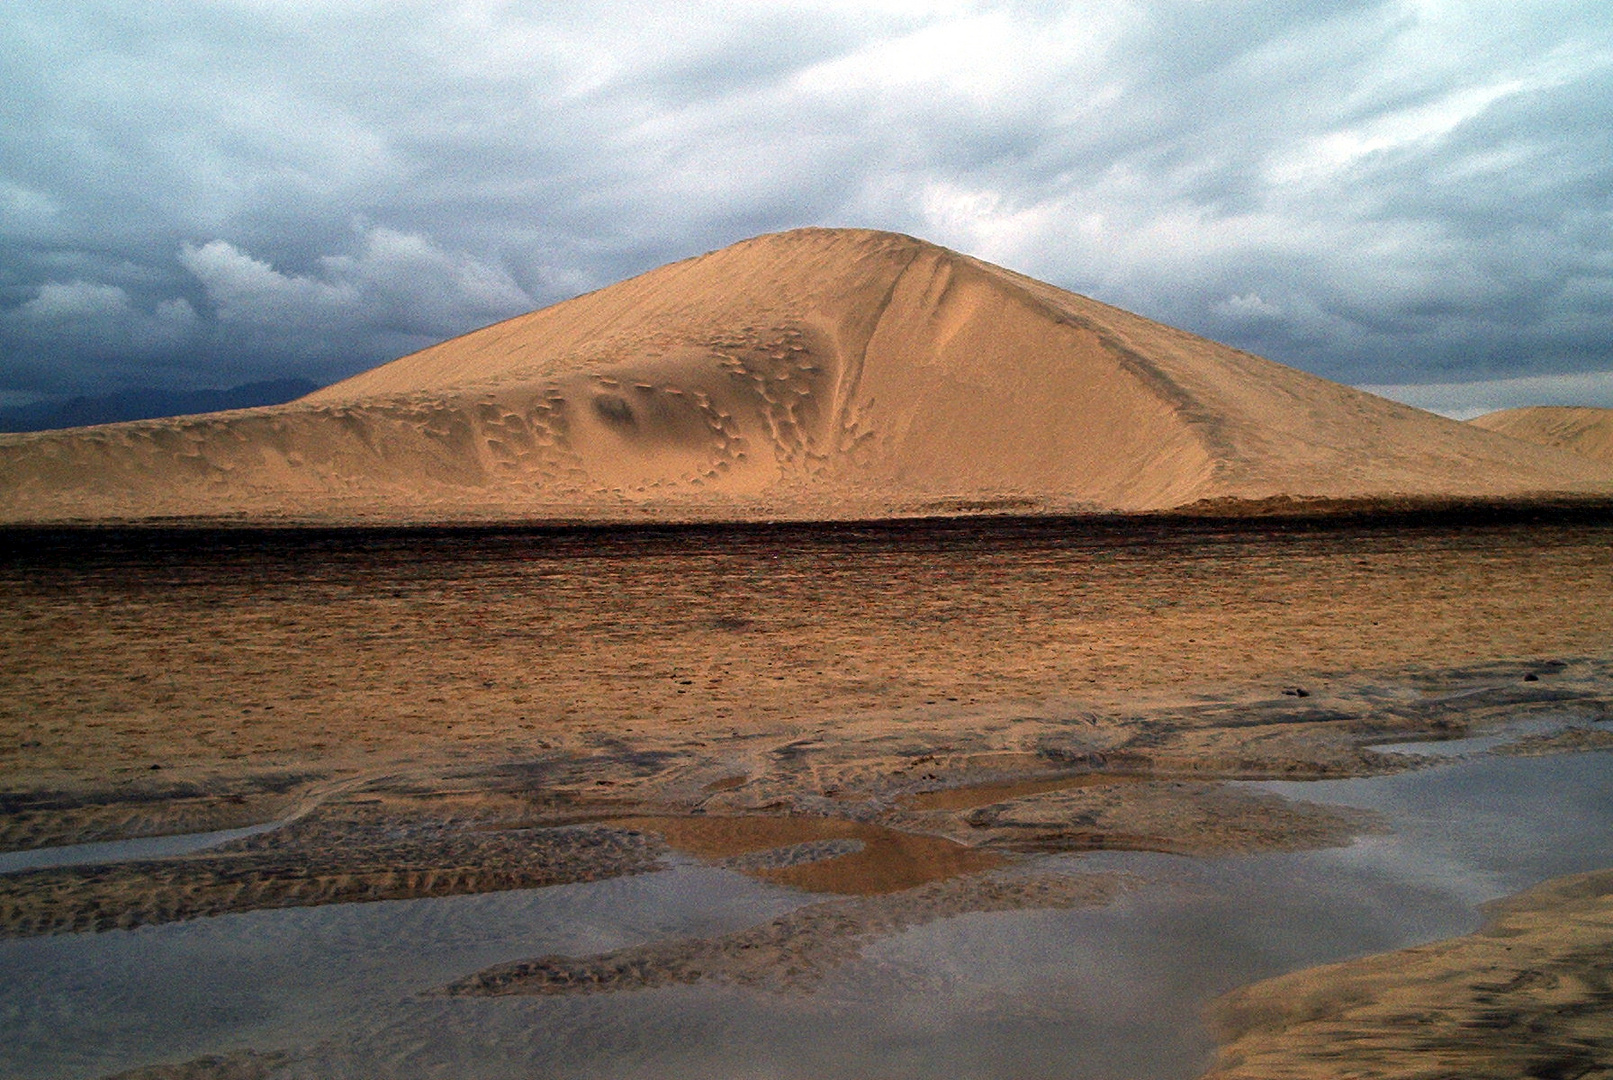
[(1529, 995), (812, 375)]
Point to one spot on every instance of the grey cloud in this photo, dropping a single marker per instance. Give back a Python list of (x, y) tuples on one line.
[(1378, 191), (57, 339), (1394, 261)]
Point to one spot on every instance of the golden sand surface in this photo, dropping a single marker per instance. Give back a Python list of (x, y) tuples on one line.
[(191, 658), (891, 702)]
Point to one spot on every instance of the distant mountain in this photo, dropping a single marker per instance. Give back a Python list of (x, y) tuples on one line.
[(810, 375), (149, 403)]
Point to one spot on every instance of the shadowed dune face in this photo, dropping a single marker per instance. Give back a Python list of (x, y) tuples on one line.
[(1585, 431), (813, 374)]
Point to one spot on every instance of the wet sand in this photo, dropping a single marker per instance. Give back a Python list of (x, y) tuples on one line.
[(1107, 987), (854, 677), (793, 951), (891, 716), (318, 862)]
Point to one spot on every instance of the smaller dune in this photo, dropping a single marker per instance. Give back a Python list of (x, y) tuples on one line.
[(1583, 430)]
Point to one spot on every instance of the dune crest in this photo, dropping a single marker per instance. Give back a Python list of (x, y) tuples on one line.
[(1585, 431), (820, 373)]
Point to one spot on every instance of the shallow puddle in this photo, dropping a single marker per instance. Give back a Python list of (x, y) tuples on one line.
[(886, 860), (1492, 739), (111, 851), (1106, 992)]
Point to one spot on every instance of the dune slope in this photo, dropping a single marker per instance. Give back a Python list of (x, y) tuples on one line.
[(1585, 431), (811, 374)]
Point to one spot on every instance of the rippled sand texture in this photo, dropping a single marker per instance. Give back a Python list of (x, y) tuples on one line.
[(319, 862), (188, 681), (1529, 995), (817, 374)]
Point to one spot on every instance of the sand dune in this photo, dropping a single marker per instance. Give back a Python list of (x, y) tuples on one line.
[(809, 374), (1585, 431)]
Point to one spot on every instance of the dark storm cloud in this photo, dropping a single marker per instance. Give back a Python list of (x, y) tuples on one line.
[(206, 193)]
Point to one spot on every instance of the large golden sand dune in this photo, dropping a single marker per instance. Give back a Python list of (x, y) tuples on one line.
[(1585, 431), (821, 373)]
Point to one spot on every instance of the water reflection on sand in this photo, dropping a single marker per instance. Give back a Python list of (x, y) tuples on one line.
[(1108, 991)]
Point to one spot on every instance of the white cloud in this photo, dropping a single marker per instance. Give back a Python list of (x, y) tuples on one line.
[(177, 311), (982, 221), (75, 301), (98, 321), (1325, 155), (397, 285), (994, 59), (1249, 306), (436, 291), (25, 211), (248, 290)]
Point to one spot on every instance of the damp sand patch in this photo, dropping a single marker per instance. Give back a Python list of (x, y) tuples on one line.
[(1184, 817), (871, 859), (970, 796)]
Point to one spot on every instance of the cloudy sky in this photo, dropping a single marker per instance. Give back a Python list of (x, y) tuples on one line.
[(208, 192)]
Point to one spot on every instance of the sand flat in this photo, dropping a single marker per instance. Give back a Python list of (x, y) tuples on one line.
[(212, 654), (894, 722)]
